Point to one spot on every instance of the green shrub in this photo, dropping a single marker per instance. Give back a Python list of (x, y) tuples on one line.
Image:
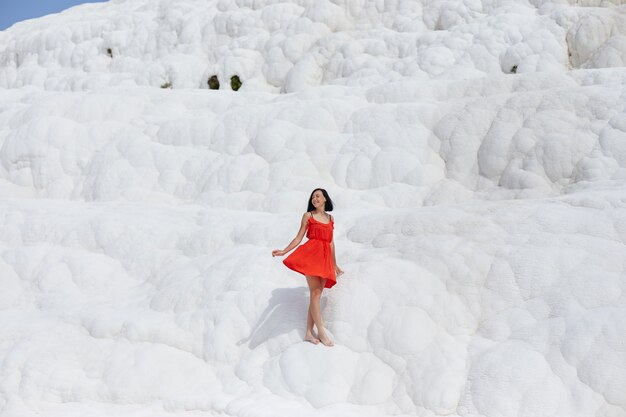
[(235, 82), (214, 83)]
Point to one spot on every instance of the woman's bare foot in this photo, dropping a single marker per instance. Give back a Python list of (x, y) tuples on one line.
[(326, 341), (310, 338)]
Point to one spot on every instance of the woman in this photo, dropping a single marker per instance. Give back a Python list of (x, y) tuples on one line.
[(315, 259)]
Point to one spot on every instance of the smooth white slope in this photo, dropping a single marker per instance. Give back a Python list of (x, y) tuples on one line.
[(477, 309), (480, 221)]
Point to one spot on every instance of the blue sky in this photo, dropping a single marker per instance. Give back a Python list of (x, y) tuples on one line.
[(12, 11)]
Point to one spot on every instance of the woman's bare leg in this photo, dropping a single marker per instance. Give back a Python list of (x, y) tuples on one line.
[(309, 328), (316, 285)]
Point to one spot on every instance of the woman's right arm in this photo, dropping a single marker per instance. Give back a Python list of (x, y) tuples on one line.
[(296, 241)]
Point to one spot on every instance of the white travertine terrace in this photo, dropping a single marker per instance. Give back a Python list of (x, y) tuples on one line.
[(476, 153)]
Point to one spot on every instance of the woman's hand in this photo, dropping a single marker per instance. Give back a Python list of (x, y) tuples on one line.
[(277, 252), (338, 270)]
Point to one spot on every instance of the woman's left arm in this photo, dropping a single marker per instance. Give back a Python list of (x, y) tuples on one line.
[(338, 270)]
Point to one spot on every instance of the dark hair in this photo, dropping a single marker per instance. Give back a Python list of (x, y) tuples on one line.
[(328, 206)]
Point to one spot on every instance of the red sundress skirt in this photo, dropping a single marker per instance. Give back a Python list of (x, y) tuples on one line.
[(314, 259)]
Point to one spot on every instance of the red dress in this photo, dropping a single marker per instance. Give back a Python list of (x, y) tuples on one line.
[(314, 258)]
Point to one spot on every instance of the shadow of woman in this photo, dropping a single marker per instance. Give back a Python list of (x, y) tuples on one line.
[(286, 310)]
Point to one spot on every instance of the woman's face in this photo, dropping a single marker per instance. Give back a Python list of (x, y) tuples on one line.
[(318, 199)]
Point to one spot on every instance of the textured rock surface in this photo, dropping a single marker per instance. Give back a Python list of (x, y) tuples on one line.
[(476, 153)]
